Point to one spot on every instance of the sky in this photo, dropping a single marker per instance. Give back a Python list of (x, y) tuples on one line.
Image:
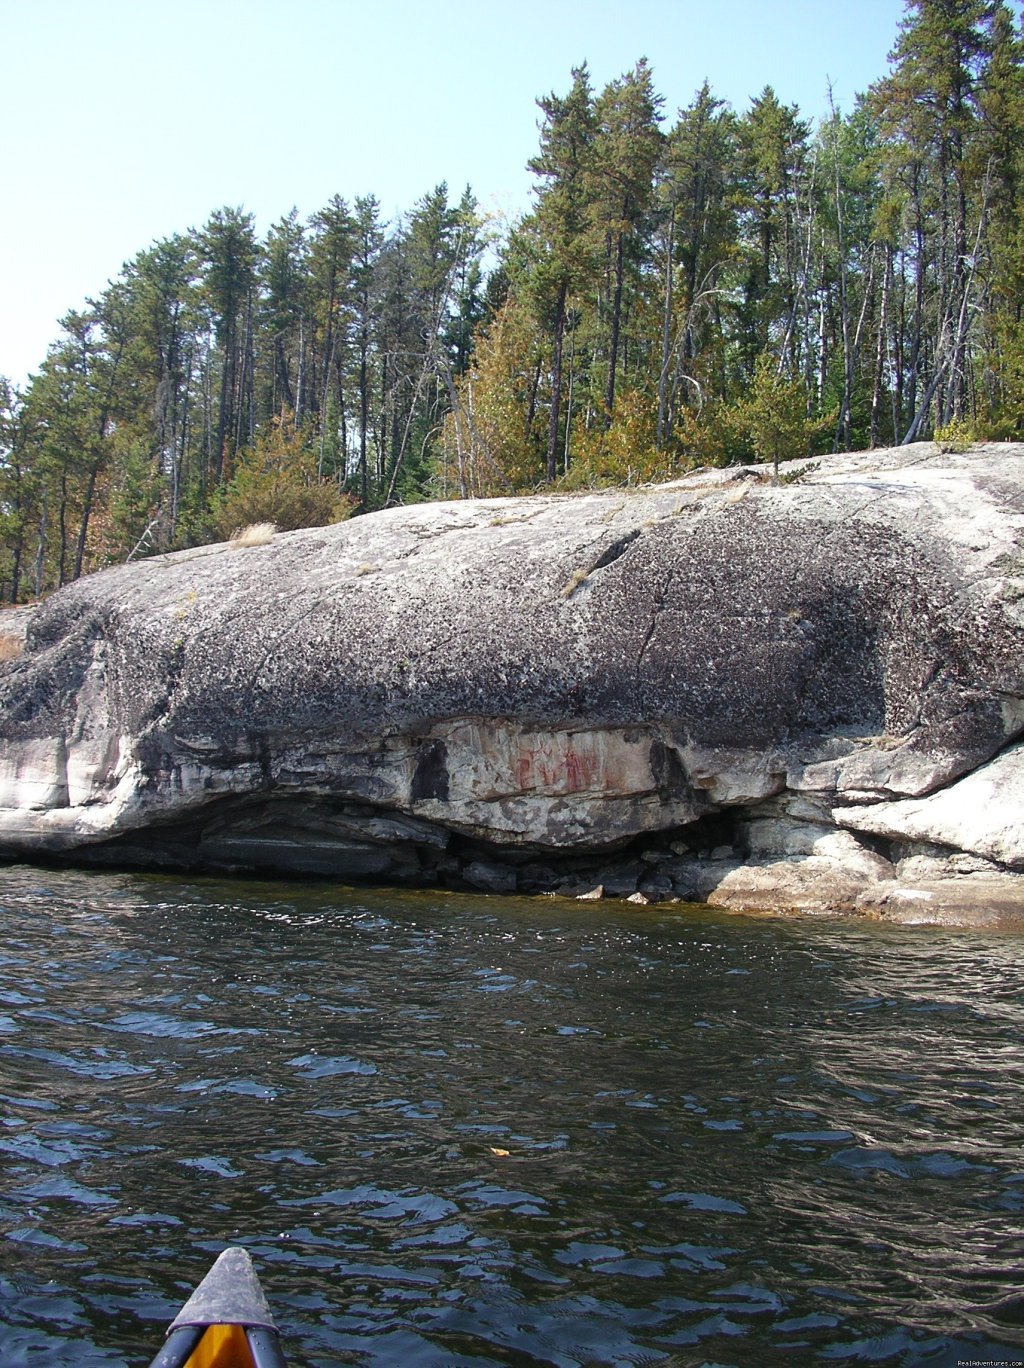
[(126, 121)]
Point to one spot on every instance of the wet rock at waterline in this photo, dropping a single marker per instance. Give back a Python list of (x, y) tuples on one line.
[(802, 695)]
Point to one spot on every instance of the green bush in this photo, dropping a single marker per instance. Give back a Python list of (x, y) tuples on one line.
[(276, 481)]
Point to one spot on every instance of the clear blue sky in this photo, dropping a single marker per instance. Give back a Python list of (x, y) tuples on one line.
[(128, 120)]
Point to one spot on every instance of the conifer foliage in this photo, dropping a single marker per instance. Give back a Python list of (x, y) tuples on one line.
[(708, 288)]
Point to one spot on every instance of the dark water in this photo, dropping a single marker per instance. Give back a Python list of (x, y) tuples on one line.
[(468, 1131)]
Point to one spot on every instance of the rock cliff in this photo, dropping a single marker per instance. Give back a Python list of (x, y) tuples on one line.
[(794, 696)]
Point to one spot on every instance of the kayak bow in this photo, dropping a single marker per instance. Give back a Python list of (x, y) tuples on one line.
[(226, 1323)]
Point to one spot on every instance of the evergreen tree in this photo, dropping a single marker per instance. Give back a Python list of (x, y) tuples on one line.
[(562, 220), (330, 267), (468, 305), (230, 255), (843, 286), (929, 109), (1000, 154), (163, 324), (699, 244), (626, 150), (775, 210), (284, 317), (18, 492), (368, 242)]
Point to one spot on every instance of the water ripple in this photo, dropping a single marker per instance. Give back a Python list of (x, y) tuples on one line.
[(468, 1131)]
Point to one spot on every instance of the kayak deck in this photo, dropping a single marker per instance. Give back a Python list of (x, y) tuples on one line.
[(226, 1323)]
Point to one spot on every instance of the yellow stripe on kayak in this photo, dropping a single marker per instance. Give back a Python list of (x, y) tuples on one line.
[(222, 1346)]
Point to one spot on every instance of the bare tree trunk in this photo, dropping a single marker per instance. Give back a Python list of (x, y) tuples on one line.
[(227, 384), (556, 386), (666, 336), (382, 435), (364, 416), (62, 530), (917, 335), (19, 546), (83, 530), (843, 425), (822, 347), (300, 382), (531, 407), (568, 403), (342, 416), (923, 407), (37, 568), (880, 349), (613, 341)]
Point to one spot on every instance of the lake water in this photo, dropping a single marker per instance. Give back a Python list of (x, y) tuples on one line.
[(460, 1130)]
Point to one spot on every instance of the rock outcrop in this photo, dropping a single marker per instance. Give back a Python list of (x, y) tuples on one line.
[(804, 695)]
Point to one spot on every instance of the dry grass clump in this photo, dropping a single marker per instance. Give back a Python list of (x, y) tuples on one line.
[(256, 534), (575, 580), (11, 647)]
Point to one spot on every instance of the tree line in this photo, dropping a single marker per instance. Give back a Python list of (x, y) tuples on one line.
[(220, 380), (720, 288)]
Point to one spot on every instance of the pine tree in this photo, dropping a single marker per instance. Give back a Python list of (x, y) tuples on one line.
[(283, 316), (1000, 151), (230, 253), (929, 111), (163, 325), (423, 259), (331, 249), (774, 147), (18, 492), (699, 243), (626, 150), (562, 220), (369, 239)]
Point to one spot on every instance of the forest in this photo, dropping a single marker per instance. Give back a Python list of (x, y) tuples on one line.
[(712, 288)]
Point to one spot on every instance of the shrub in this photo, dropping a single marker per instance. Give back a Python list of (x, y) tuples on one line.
[(623, 453), (276, 482), (958, 435)]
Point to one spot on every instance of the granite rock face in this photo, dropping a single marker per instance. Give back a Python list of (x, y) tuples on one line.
[(801, 695)]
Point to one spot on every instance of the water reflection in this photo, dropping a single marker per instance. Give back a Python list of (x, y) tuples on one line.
[(460, 1130)]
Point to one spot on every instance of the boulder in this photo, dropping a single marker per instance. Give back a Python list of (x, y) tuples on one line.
[(770, 693), (983, 814)]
